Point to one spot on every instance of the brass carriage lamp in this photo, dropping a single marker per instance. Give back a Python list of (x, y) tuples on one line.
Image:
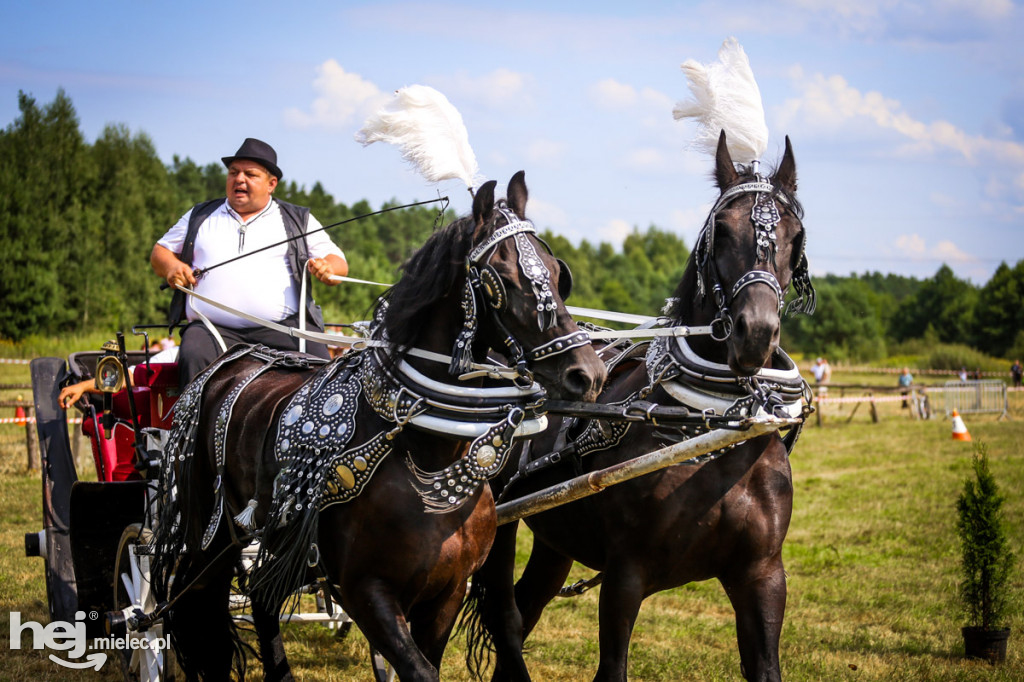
[(110, 378)]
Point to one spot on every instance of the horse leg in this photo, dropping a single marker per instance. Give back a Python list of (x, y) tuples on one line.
[(431, 623), (543, 577), (200, 624), (758, 596), (380, 618), (492, 598), (267, 623), (622, 592)]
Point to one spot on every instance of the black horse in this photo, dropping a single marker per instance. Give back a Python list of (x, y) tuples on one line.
[(721, 516), (268, 444)]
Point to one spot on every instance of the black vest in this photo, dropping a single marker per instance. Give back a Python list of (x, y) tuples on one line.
[(295, 219)]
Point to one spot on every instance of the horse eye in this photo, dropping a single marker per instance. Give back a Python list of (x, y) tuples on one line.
[(724, 237)]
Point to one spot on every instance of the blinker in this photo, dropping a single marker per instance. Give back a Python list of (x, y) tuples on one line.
[(564, 280)]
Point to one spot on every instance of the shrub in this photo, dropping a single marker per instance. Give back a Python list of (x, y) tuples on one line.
[(986, 557), (953, 356)]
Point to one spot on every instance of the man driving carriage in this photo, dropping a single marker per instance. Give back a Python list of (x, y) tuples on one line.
[(265, 285)]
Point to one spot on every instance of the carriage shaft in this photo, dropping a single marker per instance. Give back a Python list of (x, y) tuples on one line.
[(596, 481)]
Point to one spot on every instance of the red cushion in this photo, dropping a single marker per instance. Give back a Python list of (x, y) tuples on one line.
[(114, 458), (162, 380)]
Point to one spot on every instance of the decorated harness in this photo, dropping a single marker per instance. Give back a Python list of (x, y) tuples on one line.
[(765, 217), (484, 284), (320, 465), (714, 395)]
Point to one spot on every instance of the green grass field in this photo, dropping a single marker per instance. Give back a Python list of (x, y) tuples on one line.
[(872, 559)]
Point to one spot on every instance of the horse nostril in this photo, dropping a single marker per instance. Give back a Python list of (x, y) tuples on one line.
[(740, 327), (579, 382)]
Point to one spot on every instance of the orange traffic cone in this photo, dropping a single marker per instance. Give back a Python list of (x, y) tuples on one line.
[(959, 428)]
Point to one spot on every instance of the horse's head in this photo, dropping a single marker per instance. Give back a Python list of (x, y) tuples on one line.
[(488, 282), (750, 250), (521, 288)]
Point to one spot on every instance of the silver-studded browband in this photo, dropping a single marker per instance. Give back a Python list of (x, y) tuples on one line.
[(765, 217), (513, 227), (482, 279)]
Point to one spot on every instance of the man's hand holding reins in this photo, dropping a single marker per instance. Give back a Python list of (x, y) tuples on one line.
[(176, 272), (325, 268)]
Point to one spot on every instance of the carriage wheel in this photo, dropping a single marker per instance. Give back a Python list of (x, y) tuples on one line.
[(141, 660), (382, 670)]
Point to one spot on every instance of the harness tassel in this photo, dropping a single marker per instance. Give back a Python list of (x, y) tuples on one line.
[(247, 517)]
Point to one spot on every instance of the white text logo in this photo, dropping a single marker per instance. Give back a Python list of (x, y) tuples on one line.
[(59, 636)]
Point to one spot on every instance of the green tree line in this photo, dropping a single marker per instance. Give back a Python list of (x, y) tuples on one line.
[(78, 222)]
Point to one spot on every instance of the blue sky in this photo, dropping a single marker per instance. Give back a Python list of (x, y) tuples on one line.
[(907, 118)]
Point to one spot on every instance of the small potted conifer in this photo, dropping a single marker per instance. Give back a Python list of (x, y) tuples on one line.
[(986, 563)]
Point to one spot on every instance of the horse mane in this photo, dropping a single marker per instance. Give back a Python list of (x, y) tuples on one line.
[(683, 298), (427, 277)]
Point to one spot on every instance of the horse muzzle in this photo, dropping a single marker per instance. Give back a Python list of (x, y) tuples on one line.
[(755, 333)]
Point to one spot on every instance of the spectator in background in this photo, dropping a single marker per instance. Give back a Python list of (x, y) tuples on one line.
[(822, 372), (1017, 372), (906, 380), (963, 374)]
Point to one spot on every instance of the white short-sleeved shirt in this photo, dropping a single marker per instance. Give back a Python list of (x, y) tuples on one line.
[(261, 284)]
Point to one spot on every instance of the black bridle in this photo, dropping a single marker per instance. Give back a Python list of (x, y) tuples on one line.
[(484, 286), (765, 218)]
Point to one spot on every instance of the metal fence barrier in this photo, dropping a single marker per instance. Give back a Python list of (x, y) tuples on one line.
[(974, 397)]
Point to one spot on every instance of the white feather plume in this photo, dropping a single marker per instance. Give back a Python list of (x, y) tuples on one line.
[(428, 131), (726, 97)]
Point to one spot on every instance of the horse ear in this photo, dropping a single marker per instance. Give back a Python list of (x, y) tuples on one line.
[(725, 171), (483, 203), (517, 194), (785, 176)]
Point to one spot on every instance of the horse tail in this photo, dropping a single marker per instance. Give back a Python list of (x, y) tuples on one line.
[(195, 582), (206, 640), (479, 641)]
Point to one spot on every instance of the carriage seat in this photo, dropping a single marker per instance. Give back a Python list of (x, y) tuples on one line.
[(155, 390)]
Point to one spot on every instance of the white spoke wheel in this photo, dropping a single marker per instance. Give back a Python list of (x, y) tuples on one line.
[(143, 657)]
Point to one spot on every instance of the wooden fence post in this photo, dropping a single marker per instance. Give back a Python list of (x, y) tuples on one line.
[(30, 438)]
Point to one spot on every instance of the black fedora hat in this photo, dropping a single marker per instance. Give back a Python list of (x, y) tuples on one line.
[(258, 151)]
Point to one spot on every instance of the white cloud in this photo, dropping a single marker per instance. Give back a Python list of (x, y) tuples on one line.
[(949, 252), (612, 94), (988, 9), (943, 200), (547, 215), (915, 21), (646, 159), (500, 89), (650, 138), (914, 247), (689, 222), (546, 152), (343, 99), (830, 105), (911, 244), (614, 231)]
